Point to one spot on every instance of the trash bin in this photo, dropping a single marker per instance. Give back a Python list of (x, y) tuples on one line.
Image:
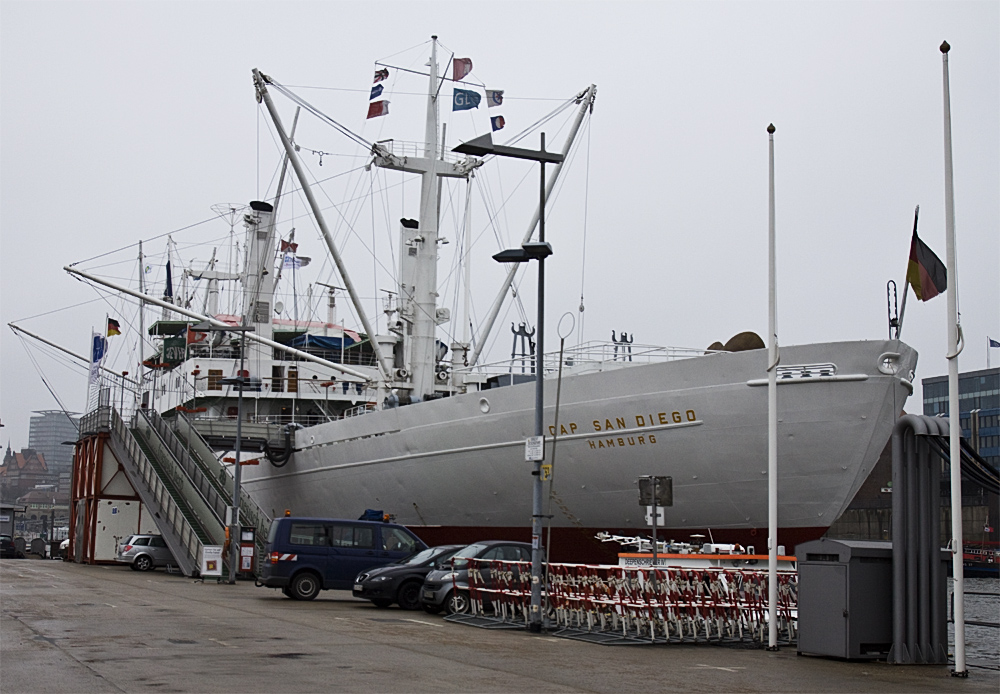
[(845, 598)]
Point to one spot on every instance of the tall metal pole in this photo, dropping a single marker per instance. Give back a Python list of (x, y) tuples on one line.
[(772, 412), (535, 625), (234, 531), (954, 414)]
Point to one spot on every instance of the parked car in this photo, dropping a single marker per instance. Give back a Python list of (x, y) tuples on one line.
[(448, 588), (400, 581), (7, 548), (145, 552), (306, 555)]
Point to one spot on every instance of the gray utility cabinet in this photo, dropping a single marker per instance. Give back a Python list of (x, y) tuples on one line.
[(845, 598)]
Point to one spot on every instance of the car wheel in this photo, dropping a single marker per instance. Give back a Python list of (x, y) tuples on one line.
[(286, 591), (305, 586), (433, 609), (132, 566), (408, 595), (457, 602), (381, 602), (142, 563)]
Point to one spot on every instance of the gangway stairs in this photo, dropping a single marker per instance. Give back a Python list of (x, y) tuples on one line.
[(181, 531), (220, 475)]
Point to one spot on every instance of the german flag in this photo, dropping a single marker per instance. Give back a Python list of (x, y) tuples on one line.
[(925, 272), (113, 327)]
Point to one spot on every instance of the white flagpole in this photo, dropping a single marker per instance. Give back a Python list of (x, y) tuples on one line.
[(954, 414), (772, 413)]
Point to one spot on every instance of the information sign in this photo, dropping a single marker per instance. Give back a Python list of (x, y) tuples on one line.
[(534, 448)]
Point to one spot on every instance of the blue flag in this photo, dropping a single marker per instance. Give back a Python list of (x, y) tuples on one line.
[(993, 343), (464, 99), (497, 122), (376, 92), (100, 345)]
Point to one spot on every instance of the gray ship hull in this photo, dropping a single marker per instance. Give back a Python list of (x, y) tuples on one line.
[(458, 463)]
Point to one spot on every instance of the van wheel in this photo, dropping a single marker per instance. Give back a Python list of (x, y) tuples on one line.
[(457, 602), (408, 596), (305, 586)]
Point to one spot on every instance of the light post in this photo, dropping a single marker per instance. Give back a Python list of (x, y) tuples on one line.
[(538, 250), (121, 406), (240, 382)]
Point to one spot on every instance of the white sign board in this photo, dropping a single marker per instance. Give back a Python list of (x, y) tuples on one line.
[(211, 560), (534, 448), (659, 516)]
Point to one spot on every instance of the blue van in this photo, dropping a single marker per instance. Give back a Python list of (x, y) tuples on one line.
[(306, 555)]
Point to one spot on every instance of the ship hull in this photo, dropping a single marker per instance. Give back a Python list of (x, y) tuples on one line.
[(454, 468)]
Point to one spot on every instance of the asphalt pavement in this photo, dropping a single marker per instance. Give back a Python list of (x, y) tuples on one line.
[(72, 628)]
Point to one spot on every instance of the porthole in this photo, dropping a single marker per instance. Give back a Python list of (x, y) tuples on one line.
[(484, 405)]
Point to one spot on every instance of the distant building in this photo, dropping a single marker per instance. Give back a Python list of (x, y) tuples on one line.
[(48, 430), (869, 514), (978, 408), (22, 472)]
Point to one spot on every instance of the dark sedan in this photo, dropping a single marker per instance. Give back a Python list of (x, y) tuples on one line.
[(447, 587), (400, 582)]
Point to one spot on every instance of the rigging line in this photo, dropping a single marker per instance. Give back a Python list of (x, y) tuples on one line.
[(348, 224), (424, 93), (56, 310), (583, 253), (544, 119), (347, 132), (257, 167), (41, 375), (425, 74), (371, 186), (152, 238), (405, 50)]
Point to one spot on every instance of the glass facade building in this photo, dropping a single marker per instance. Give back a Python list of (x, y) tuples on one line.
[(978, 404), (47, 430)]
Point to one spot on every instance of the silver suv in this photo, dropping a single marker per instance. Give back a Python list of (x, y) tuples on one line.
[(144, 552)]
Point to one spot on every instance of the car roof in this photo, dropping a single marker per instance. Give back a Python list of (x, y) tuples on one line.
[(337, 520)]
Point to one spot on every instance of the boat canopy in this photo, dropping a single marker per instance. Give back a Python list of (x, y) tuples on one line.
[(327, 342)]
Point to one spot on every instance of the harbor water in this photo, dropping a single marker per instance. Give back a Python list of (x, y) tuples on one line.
[(982, 643)]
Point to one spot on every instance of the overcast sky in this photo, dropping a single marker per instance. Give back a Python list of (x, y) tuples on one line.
[(126, 121)]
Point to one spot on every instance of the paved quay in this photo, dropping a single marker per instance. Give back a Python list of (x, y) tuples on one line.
[(72, 628)]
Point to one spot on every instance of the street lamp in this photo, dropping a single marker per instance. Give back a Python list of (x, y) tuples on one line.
[(239, 381), (538, 250)]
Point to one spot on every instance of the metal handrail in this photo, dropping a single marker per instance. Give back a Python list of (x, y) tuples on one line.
[(169, 515), (182, 460), (250, 512)]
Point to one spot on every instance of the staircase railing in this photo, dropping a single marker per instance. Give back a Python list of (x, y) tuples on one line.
[(178, 533), (199, 493), (250, 513)]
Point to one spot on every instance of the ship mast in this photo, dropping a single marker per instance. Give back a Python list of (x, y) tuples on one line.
[(418, 312)]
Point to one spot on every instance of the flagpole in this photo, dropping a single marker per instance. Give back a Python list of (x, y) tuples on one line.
[(772, 412), (142, 322), (954, 414), (906, 282)]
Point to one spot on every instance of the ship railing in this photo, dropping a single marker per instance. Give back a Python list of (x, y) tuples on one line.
[(358, 410), (589, 355), (406, 148), (178, 533), (350, 357)]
